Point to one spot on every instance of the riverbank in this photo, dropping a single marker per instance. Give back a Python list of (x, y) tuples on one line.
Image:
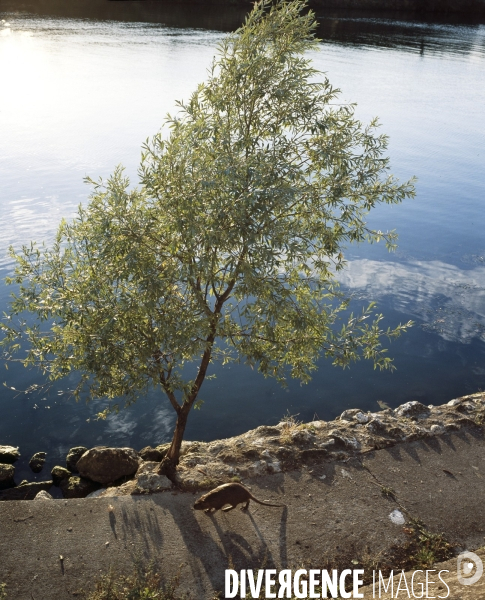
[(345, 506), (471, 7)]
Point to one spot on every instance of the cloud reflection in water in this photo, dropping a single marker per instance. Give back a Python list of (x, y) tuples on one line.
[(447, 300)]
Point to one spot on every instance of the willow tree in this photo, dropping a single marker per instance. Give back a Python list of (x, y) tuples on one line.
[(229, 248)]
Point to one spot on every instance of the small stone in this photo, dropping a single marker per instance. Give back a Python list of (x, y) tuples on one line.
[(36, 463), (413, 410), (397, 517), (154, 454), (77, 487), (150, 481), (187, 447), (9, 454), (58, 474), (6, 476), (267, 430), (348, 415), (73, 456), (43, 495), (361, 417), (25, 491), (377, 426), (274, 466), (97, 493), (257, 467), (215, 448), (342, 443), (302, 436)]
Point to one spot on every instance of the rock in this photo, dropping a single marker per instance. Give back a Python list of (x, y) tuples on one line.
[(58, 474), (188, 447), (215, 448), (267, 430), (97, 493), (377, 426), (106, 465), (274, 466), (6, 476), (43, 495), (73, 456), (339, 442), (77, 487), (302, 436), (397, 517), (257, 468), (328, 446), (154, 454), (126, 489), (348, 415), (413, 410), (36, 463), (148, 480), (9, 454), (464, 407), (25, 491), (361, 417)]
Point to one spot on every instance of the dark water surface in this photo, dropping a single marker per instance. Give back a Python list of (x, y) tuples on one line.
[(84, 83)]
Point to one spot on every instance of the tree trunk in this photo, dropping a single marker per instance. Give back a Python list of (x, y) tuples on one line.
[(169, 464)]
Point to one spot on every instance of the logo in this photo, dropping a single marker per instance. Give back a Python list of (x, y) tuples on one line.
[(469, 568)]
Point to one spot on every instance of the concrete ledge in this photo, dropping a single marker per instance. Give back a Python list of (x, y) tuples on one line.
[(335, 511)]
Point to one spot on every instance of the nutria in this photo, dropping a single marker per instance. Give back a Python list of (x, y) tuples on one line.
[(229, 493)]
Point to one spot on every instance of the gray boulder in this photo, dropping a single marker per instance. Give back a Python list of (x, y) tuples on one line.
[(9, 454), (73, 456), (36, 463), (59, 473), (77, 487), (106, 465), (6, 476), (25, 491)]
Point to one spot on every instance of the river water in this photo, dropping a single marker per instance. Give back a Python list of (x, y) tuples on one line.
[(84, 83)]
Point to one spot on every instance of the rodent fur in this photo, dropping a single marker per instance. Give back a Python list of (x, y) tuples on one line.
[(228, 493)]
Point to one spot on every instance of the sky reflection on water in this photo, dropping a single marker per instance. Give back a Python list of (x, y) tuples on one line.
[(85, 83)]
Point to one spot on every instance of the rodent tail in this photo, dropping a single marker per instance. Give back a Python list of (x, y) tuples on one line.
[(267, 503)]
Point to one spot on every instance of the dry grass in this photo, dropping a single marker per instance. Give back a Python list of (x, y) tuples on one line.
[(290, 426), (142, 584)]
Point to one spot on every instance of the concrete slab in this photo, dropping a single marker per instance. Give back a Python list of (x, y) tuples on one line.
[(54, 549), (440, 481)]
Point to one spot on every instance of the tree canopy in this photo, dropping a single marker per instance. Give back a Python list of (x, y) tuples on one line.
[(229, 248)]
